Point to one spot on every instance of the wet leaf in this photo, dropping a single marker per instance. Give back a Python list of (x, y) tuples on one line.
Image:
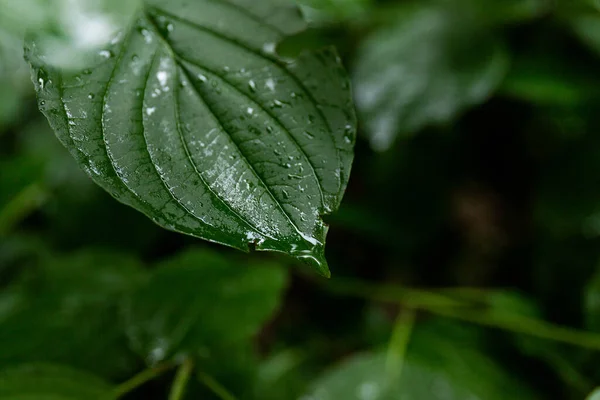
[(50, 382), (199, 302), (422, 70), (190, 117)]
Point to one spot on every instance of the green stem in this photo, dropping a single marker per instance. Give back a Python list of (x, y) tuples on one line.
[(568, 372), (23, 204), (415, 298), (525, 325), (462, 310), (398, 344), (140, 379), (218, 389), (181, 380)]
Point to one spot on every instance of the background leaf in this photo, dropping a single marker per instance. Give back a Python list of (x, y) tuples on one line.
[(200, 302), (423, 69), (61, 309), (50, 382), (434, 368)]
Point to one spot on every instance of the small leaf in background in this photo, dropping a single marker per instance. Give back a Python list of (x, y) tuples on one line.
[(197, 123), (435, 368), (61, 311), (424, 69), (200, 300), (50, 382), (595, 395)]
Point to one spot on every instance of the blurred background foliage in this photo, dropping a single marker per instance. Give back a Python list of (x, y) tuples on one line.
[(465, 256)]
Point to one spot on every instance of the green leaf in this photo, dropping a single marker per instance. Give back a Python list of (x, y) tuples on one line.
[(424, 69), (595, 395), (200, 301), (190, 117), (60, 310), (587, 27), (50, 382), (434, 368)]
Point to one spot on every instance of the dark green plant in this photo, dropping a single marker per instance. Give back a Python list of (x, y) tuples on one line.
[(464, 254)]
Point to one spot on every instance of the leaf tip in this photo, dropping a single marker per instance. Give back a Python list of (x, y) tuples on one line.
[(319, 264)]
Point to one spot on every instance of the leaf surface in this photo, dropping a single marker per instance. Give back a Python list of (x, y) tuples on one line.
[(426, 67), (200, 302), (435, 368), (56, 316), (50, 382), (190, 117)]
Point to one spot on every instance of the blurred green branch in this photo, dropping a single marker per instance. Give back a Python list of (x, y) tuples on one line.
[(140, 379), (23, 204), (221, 392), (446, 306), (181, 380), (399, 343)]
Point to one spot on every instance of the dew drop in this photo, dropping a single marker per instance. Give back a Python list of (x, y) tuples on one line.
[(106, 54), (270, 84), (348, 134), (252, 86), (42, 76), (269, 48), (202, 78), (276, 104), (91, 96), (309, 135)]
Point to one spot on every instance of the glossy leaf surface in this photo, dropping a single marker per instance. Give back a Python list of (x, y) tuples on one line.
[(190, 117)]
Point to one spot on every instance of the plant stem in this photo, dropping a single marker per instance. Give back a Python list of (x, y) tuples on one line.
[(215, 387), (399, 343), (525, 325), (140, 379), (23, 204), (463, 310), (181, 380), (415, 298)]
